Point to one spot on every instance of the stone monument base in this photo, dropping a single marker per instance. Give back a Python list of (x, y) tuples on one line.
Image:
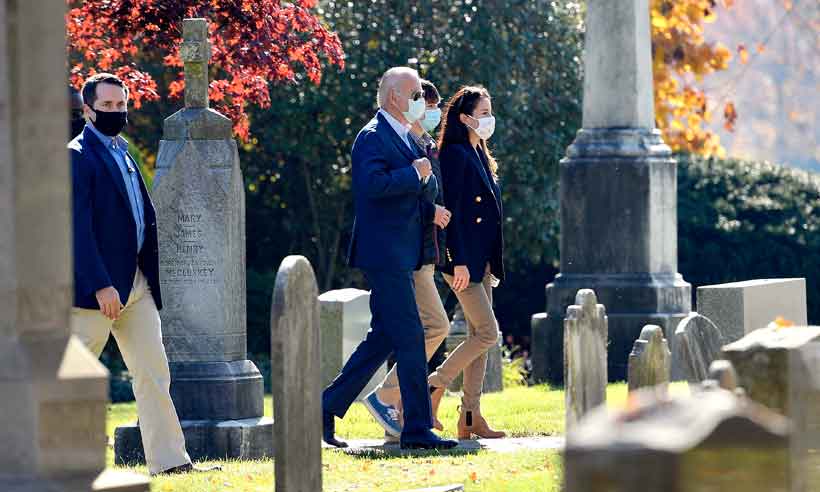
[(631, 300), (246, 439), (217, 390)]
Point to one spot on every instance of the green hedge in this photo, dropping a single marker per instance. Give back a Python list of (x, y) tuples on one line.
[(741, 220)]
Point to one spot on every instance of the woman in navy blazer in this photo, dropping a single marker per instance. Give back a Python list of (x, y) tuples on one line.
[(474, 263)]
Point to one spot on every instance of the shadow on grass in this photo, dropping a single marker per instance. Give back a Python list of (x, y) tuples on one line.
[(393, 451)]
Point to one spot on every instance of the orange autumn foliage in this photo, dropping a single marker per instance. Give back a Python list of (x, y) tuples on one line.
[(681, 59)]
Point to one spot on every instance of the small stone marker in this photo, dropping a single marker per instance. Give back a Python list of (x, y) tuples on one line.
[(295, 377), (723, 372), (650, 360), (345, 321), (585, 356), (738, 308), (711, 441), (539, 344), (780, 368), (697, 343)]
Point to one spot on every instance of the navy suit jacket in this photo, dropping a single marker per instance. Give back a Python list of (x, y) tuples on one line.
[(389, 205), (474, 235), (105, 235)]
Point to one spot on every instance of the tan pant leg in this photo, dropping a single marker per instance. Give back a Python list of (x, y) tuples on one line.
[(139, 335), (478, 311), (436, 326), (91, 327), (475, 370)]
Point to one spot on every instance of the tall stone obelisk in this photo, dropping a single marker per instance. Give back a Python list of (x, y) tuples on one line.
[(200, 201), (53, 391), (618, 193)]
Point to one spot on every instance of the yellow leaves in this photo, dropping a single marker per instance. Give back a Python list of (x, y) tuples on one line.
[(781, 322), (473, 476), (659, 21), (730, 116), (743, 53), (761, 47)]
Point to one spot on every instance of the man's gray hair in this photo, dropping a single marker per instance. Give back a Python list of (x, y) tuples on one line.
[(390, 79)]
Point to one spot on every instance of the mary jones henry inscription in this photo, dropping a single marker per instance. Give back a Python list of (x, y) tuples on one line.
[(189, 262)]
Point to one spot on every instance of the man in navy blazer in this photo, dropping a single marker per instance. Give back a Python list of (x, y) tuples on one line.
[(389, 175), (116, 271)]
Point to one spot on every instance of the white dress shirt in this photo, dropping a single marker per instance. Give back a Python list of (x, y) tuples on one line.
[(401, 130)]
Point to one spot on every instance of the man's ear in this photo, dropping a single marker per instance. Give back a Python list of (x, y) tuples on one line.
[(89, 113)]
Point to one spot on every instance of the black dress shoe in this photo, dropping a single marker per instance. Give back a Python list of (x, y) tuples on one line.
[(427, 441), (329, 431), (190, 468)]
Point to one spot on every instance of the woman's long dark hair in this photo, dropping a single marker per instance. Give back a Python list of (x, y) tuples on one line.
[(453, 131)]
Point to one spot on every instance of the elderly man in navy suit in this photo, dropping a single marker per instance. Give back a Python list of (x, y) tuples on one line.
[(116, 271), (389, 180)]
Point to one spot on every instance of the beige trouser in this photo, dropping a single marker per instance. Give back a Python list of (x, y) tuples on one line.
[(139, 336), (471, 354), (436, 325)]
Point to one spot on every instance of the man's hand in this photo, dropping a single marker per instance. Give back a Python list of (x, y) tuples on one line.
[(109, 300), (442, 216), (461, 278), (423, 166)]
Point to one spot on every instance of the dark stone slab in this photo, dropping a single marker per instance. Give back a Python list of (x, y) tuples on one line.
[(217, 390), (539, 331), (205, 440)]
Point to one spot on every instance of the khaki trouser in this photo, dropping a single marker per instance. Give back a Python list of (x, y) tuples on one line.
[(471, 354), (139, 336), (436, 325)]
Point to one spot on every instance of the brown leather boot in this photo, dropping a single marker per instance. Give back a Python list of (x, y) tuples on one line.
[(435, 400), (472, 423)]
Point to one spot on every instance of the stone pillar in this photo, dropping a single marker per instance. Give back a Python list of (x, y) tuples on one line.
[(53, 392), (493, 374), (585, 340), (711, 441), (200, 200), (780, 368), (618, 192), (650, 361), (295, 376)]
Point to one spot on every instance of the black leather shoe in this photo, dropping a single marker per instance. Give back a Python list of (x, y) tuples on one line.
[(426, 441), (329, 431)]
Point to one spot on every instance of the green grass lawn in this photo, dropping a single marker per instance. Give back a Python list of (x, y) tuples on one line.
[(521, 411)]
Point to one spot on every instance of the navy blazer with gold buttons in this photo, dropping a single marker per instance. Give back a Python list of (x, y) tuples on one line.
[(474, 235)]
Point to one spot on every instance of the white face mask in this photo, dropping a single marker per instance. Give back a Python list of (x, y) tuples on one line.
[(486, 127), (415, 110)]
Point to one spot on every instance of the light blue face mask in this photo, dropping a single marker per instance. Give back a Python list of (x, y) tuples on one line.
[(415, 110), (432, 117)]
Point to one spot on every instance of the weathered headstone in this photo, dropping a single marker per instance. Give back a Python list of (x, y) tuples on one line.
[(738, 308), (723, 372), (650, 360), (780, 368), (585, 367), (712, 441), (296, 378), (345, 321), (493, 379), (539, 345), (618, 191), (53, 392), (200, 201), (697, 343)]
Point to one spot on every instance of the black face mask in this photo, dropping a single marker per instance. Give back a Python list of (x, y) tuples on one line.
[(110, 123)]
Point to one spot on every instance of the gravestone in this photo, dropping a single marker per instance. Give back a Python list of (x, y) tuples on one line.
[(296, 378), (585, 366), (711, 441), (650, 360), (53, 391), (738, 308), (618, 192), (697, 343), (539, 345), (200, 201), (493, 379), (780, 368), (345, 321), (724, 374)]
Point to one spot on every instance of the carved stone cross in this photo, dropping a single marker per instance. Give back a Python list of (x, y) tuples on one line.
[(195, 52)]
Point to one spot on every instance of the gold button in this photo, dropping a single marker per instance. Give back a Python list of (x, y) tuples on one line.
[(478, 220), (478, 199)]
